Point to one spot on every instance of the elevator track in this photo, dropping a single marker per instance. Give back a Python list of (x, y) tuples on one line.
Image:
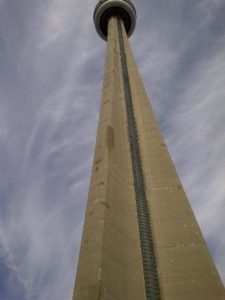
[(147, 248)]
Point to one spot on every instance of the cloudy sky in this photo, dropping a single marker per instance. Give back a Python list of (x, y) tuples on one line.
[(51, 69)]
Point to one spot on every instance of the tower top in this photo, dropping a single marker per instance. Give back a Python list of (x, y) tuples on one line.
[(123, 9)]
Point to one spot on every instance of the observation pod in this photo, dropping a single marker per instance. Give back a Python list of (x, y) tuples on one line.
[(123, 9)]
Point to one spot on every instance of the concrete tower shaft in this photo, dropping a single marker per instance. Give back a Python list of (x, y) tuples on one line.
[(123, 9), (110, 264), (140, 240)]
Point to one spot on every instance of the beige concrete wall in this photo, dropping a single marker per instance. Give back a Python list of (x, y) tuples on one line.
[(185, 267), (110, 266)]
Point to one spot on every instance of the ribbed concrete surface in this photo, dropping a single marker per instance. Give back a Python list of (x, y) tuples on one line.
[(110, 263)]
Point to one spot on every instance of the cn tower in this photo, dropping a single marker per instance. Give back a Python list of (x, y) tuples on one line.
[(140, 240)]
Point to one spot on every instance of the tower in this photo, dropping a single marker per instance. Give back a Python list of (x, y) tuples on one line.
[(140, 240)]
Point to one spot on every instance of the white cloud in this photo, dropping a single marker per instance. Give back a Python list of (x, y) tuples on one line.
[(52, 94)]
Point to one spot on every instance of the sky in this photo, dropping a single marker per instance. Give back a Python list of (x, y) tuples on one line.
[(51, 72)]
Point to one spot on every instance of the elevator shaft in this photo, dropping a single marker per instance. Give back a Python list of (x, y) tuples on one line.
[(146, 240)]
